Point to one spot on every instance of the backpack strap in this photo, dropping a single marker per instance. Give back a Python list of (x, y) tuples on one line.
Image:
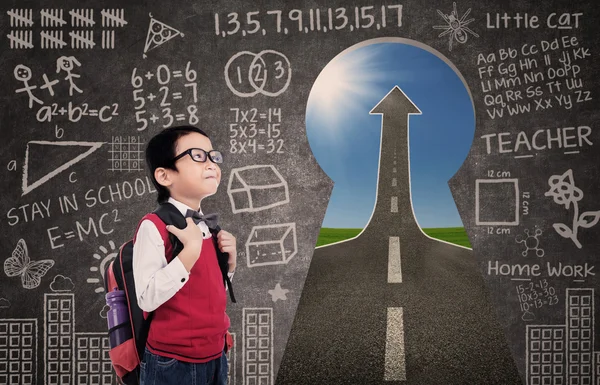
[(223, 259), (167, 214)]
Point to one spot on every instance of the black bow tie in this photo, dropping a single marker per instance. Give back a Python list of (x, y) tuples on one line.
[(210, 219)]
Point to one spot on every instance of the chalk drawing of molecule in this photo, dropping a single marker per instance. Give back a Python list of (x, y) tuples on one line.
[(531, 242)]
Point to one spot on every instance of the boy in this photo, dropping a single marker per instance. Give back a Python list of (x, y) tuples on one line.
[(187, 335)]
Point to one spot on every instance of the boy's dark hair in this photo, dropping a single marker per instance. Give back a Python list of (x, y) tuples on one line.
[(161, 151)]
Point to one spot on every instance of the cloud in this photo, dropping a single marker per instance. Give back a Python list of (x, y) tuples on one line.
[(4, 303), (61, 283), (104, 311)]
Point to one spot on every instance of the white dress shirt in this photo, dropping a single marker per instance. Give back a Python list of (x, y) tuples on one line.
[(157, 281)]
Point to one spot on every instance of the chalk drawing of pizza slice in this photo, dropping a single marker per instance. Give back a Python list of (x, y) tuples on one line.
[(44, 160), (158, 34)]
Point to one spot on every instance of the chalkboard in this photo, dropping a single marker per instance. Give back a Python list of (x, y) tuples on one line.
[(87, 84)]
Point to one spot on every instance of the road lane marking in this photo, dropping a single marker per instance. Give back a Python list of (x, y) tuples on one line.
[(394, 204), (394, 169), (394, 182), (395, 362), (394, 265)]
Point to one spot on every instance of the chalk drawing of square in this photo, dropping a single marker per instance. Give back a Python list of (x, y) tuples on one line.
[(271, 245), (264, 319), (15, 341), (65, 316), (586, 334), (53, 342), (586, 358), (263, 369), (82, 343), (95, 343), (263, 331), (586, 323), (65, 329), (27, 354), (65, 355), (557, 370), (557, 345), (94, 354), (585, 300), (263, 355), (53, 367), (546, 334), (53, 304), (53, 329), (497, 202), (251, 319), (558, 334), (263, 343), (255, 188), (65, 304)]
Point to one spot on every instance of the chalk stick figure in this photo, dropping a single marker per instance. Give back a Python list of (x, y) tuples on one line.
[(23, 74), (68, 64)]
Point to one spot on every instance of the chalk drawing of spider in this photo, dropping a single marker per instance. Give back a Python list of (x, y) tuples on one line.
[(457, 28)]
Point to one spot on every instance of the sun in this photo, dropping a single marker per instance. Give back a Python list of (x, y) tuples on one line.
[(109, 255)]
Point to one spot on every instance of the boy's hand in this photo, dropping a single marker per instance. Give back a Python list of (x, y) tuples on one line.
[(191, 238), (226, 242)]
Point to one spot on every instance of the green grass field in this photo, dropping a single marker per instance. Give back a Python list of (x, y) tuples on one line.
[(456, 235)]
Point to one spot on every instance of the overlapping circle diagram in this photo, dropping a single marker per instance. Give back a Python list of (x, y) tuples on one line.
[(267, 73)]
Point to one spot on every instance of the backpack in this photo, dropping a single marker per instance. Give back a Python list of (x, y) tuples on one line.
[(128, 324)]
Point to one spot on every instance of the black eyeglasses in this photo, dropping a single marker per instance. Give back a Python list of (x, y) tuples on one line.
[(199, 155)]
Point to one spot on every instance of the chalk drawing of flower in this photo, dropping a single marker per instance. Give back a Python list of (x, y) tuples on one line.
[(564, 192)]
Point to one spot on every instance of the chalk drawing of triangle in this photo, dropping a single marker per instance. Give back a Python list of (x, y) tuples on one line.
[(165, 34), (87, 147)]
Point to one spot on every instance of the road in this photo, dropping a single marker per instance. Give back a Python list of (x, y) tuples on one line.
[(394, 306)]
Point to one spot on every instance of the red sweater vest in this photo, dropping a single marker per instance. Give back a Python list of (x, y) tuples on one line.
[(191, 326)]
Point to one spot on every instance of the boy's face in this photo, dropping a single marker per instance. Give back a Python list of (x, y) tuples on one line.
[(193, 180)]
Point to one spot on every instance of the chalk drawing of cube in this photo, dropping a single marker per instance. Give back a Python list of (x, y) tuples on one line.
[(497, 202), (255, 188), (271, 245)]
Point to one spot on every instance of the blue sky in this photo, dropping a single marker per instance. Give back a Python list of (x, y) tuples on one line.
[(345, 138)]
